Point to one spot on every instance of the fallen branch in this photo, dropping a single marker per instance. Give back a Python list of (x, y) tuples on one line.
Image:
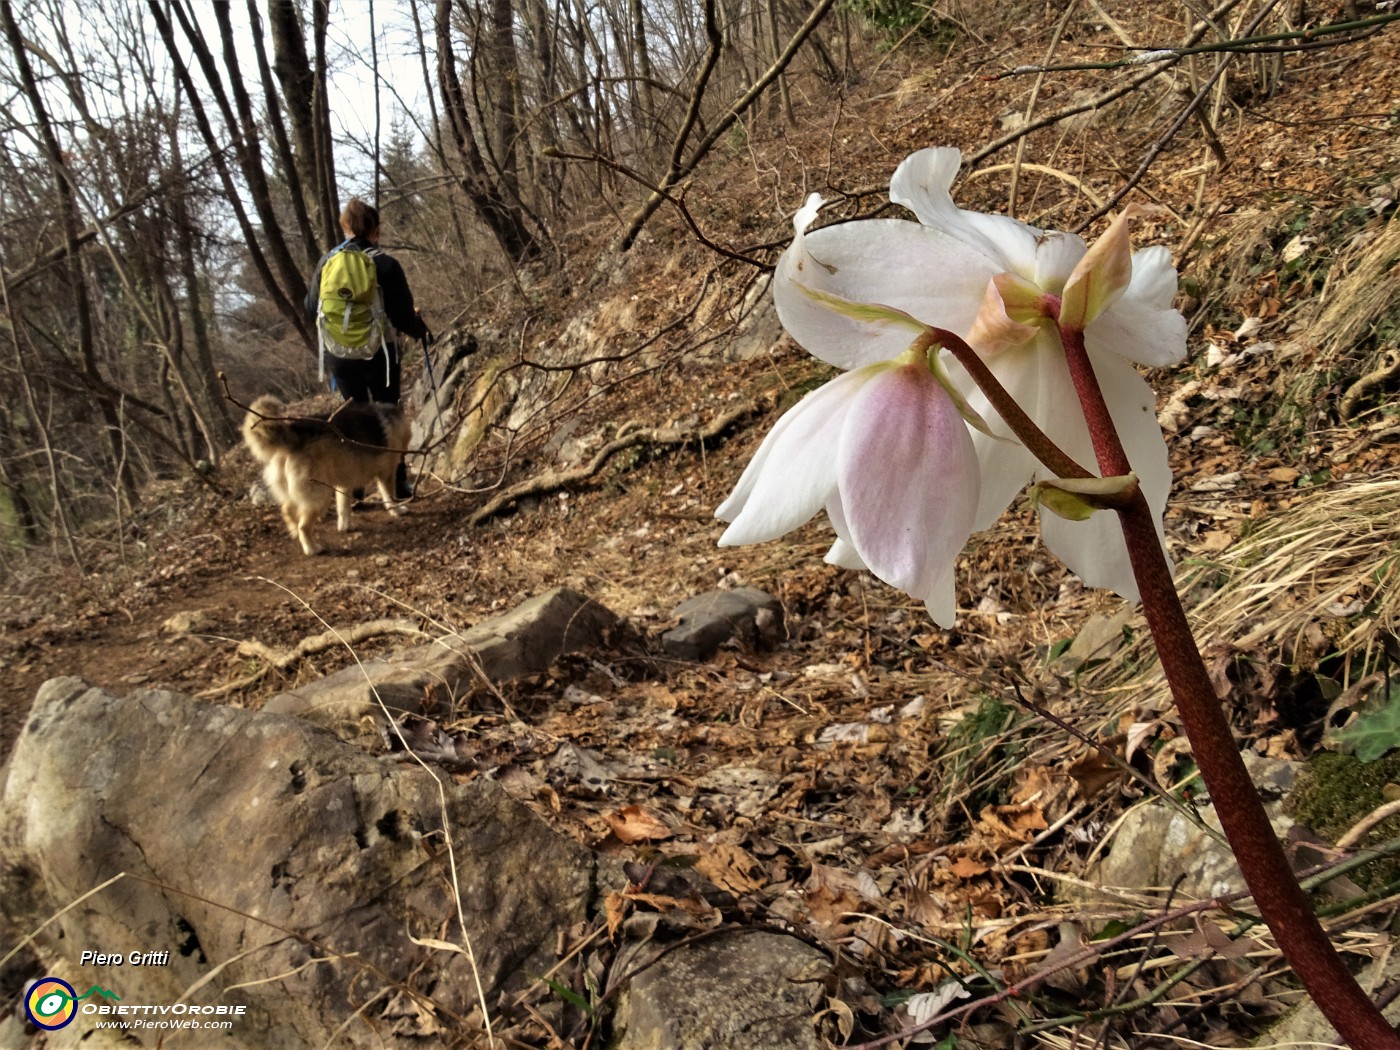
[(553, 480), (1292, 40), (284, 659)]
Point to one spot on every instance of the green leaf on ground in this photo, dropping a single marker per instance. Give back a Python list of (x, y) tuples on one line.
[(1375, 731)]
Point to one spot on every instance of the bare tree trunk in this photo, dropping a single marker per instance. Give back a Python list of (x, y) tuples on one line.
[(35, 416), (291, 310), (303, 91), (504, 219), (247, 144), (644, 87), (65, 193), (439, 149), (14, 483), (310, 246), (680, 164), (776, 41), (214, 406), (324, 146)]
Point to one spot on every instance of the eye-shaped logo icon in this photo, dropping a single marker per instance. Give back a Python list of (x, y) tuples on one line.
[(51, 1003)]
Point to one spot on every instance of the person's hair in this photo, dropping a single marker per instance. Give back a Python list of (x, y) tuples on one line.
[(359, 219)]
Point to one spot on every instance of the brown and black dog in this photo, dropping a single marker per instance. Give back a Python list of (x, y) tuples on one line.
[(311, 460)]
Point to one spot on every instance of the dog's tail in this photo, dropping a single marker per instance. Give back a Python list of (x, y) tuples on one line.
[(265, 430)]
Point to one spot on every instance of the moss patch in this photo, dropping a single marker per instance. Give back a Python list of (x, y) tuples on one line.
[(1337, 792)]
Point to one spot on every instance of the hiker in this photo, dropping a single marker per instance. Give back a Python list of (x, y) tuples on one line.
[(358, 340)]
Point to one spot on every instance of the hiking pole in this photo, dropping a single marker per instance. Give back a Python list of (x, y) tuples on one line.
[(427, 341)]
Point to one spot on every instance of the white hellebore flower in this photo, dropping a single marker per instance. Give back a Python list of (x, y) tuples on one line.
[(884, 450), (982, 277)]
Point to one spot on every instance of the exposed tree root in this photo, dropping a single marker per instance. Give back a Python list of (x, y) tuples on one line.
[(553, 480), (283, 659)]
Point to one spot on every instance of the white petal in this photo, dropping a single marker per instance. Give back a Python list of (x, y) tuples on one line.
[(908, 481), (1142, 326), (1154, 276), (922, 184), (1007, 466), (1139, 332), (1056, 256), (1094, 550), (792, 474), (924, 272), (942, 601), (842, 554)]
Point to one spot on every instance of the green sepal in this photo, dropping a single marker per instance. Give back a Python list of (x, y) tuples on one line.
[(869, 313), (1077, 498)]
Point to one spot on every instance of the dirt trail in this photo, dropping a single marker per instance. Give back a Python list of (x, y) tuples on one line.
[(233, 566)]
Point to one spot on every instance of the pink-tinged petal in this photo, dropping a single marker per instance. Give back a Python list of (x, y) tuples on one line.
[(941, 598), (1094, 550), (908, 482), (922, 183), (793, 473), (1142, 326), (920, 271), (1102, 276)]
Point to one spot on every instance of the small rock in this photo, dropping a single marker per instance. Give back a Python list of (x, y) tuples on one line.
[(744, 989), (427, 679), (185, 622), (709, 620), (1155, 845)]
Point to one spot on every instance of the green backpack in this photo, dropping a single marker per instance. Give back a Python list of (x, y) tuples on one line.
[(351, 321)]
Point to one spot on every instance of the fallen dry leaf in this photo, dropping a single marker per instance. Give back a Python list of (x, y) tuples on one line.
[(1093, 772), (731, 868), (967, 868), (634, 824)]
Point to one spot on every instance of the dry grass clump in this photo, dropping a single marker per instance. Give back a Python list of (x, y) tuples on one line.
[(1360, 325), (1328, 561), (1314, 583)]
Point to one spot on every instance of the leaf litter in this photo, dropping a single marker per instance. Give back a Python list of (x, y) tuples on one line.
[(875, 786)]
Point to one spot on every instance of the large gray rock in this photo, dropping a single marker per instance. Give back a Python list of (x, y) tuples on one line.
[(429, 679), (1156, 846), (1304, 1025), (740, 990), (264, 852)]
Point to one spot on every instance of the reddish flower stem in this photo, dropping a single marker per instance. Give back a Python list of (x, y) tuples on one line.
[(1013, 414), (1281, 901)]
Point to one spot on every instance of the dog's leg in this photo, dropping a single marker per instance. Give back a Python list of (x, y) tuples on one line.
[(275, 480), (343, 502), (303, 533), (308, 506), (386, 492)]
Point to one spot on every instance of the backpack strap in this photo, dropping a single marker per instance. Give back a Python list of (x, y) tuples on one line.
[(381, 316)]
